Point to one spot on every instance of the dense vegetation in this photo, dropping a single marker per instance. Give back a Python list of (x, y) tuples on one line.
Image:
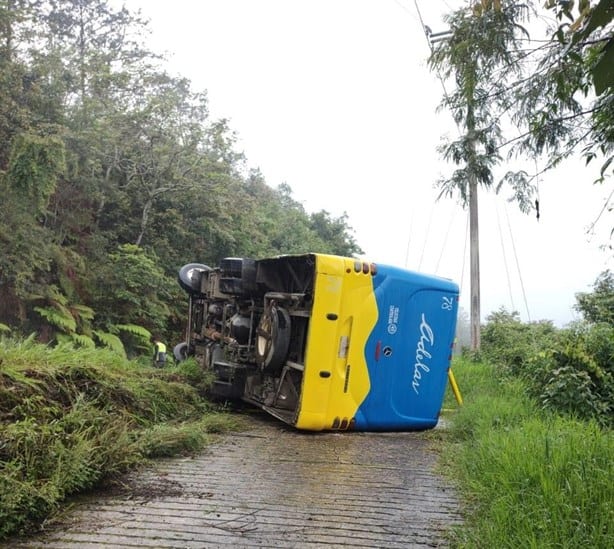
[(568, 370), (527, 477), (72, 418), (113, 175), (532, 449)]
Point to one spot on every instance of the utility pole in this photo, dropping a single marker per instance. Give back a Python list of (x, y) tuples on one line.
[(472, 184), (474, 233), (474, 250)]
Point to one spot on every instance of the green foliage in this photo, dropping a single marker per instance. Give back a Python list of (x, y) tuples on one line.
[(71, 418), (34, 167), (76, 340), (110, 341), (87, 166), (577, 375), (132, 290), (481, 55), (508, 342), (556, 107), (334, 234), (196, 376), (65, 321), (568, 370), (555, 87), (56, 318), (588, 24), (488, 401), (512, 462), (598, 306), (169, 439), (135, 330)]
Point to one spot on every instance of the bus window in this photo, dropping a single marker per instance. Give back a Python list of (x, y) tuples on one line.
[(323, 342)]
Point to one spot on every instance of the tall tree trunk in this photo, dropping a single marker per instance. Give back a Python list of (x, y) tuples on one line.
[(7, 31), (82, 73), (144, 220)]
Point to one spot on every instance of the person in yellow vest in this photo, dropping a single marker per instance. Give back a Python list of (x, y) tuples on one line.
[(159, 357)]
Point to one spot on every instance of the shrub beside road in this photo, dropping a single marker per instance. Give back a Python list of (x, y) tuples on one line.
[(70, 419), (529, 477)]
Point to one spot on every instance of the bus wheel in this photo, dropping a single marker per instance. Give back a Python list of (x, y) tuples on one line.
[(189, 277), (180, 351), (273, 338)]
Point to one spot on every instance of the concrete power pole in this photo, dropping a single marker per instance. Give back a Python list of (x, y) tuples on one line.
[(474, 240), (474, 250)]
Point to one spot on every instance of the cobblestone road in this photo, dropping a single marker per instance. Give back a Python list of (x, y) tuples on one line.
[(271, 486)]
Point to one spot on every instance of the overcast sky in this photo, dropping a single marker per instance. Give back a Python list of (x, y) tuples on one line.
[(334, 98)]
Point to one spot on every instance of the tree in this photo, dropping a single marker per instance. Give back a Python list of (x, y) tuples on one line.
[(35, 166), (97, 44), (167, 147), (334, 233), (598, 306), (483, 39), (591, 28), (564, 103), (566, 100), (131, 289), (113, 175), (557, 93)]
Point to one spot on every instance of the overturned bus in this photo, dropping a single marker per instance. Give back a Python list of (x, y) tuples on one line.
[(323, 342)]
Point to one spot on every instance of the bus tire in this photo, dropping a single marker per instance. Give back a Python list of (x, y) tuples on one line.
[(189, 277), (273, 338), (180, 351)]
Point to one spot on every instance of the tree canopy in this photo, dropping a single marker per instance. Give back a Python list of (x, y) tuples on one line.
[(533, 81), (113, 175)]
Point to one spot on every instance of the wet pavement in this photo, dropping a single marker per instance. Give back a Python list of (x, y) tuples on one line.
[(272, 486)]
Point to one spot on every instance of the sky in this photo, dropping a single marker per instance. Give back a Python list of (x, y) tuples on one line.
[(335, 99)]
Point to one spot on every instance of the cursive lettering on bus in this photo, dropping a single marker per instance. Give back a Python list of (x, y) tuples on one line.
[(427, 338)]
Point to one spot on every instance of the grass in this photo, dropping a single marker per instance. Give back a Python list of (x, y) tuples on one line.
[(71, 418), (528, 478)]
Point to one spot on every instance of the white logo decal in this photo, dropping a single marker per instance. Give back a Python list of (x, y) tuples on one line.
[(422, 354), (393, 319)]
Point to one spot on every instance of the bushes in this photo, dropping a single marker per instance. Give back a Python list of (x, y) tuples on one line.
[(568, 370), (529, 478), (508, 342), (577, 377), (69, 418)]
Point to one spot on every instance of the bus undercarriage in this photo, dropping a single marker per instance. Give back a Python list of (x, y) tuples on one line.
[(247, 324)]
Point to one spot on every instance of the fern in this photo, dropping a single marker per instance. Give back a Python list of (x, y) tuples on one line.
[(55, 296), (111, 341), (135, 329), (83, 341), (59, 318), (83, 312), (74, 341), (4, 328)]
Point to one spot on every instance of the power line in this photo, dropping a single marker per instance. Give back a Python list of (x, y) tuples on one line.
[(424, 27), (507, 272), (406, 10), (524, 295), (445, 240), (462, 277), (428, 229), (411, 225)]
